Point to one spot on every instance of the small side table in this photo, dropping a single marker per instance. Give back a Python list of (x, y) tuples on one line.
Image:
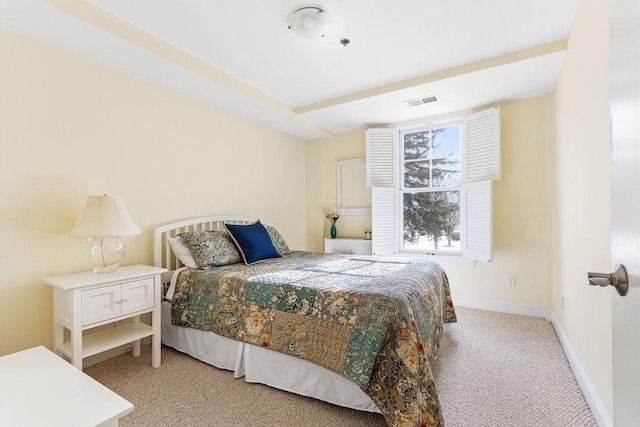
[(87, 300), (347, 245), (38, 388)]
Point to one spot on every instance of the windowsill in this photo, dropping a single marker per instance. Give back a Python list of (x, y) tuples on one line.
[(439, 258)]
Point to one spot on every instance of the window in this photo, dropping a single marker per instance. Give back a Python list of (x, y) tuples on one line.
[(431, 186)]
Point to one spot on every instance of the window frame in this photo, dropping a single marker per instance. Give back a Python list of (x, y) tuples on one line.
[(400, 163)]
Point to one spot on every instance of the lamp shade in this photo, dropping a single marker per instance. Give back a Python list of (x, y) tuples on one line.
[(104, 216), (309, 22)]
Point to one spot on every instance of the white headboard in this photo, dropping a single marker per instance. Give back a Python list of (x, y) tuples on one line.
[(162, 254)]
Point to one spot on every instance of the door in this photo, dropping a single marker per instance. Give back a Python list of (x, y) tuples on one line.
[(100, 304), (625, 209), (137, 296)]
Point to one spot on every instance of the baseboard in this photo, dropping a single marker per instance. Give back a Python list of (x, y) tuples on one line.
[(105, 355), (504, 307), (590, 395)]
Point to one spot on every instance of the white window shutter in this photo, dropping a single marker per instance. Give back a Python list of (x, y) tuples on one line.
[(481, 146), (384, 214), (381, 146), (476, 224)]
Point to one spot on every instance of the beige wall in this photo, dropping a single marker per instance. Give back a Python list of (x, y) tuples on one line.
[(520, 214), (321, 158), (70, 128), (520, 211), (582, 214)]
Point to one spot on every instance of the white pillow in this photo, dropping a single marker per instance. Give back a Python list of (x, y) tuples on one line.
[(182, 252), (172, 285)]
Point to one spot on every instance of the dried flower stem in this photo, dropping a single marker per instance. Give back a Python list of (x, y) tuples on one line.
[(333, 217)]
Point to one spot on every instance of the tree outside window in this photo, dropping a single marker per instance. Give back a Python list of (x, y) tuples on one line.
[(431, 188)]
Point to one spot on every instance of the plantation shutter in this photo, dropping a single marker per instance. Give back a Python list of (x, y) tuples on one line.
[(481, 146), (381, 148), (476, 224), (384, 216), (381, 145), (480, 165)]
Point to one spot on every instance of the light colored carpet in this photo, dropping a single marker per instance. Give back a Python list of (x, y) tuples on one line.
[(498, 369), (493, 369)]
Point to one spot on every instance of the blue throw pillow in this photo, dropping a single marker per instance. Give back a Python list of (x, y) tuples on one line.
[(253, 242)]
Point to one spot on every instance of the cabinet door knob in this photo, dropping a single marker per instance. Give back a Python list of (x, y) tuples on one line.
[(618, 279)]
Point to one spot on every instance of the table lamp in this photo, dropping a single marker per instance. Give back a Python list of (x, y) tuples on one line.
[(105, 221)]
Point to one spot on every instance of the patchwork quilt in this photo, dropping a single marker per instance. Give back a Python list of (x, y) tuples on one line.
[(376, 321)]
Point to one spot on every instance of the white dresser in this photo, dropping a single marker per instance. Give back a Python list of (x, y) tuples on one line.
[(347, 245), (38, 388)]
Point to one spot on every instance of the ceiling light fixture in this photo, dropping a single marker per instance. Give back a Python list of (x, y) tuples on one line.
[(309, 21)]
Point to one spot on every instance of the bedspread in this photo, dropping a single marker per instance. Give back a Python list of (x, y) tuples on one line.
[(376, 321)]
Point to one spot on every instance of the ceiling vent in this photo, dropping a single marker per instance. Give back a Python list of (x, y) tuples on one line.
[(421, 101)]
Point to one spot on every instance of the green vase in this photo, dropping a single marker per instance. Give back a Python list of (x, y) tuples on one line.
[(333, 232)]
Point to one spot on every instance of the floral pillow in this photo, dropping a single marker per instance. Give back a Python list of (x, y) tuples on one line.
[(211, 248), (277, 240)]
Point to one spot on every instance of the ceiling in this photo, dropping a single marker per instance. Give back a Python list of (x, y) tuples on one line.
[(240, 55)]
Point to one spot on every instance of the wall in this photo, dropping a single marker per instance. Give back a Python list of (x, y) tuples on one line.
[(520, 211), (321, 158), (520, 215), (70, 128), (582, 214)]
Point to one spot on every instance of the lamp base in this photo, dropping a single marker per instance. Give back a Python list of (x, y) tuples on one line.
[(106, 253)]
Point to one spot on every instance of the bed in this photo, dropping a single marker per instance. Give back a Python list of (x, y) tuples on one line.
[(355, 331)]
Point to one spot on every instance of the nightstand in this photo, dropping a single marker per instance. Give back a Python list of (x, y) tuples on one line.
[(347, 245), (84, 301)]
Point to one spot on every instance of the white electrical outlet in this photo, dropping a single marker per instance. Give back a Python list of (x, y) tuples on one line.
[(511, 281)]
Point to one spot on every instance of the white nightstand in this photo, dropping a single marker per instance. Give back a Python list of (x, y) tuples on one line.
[(347, 245), (86, 300)]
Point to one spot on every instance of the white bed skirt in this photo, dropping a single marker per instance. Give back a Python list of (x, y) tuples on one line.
[(259, 365)]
